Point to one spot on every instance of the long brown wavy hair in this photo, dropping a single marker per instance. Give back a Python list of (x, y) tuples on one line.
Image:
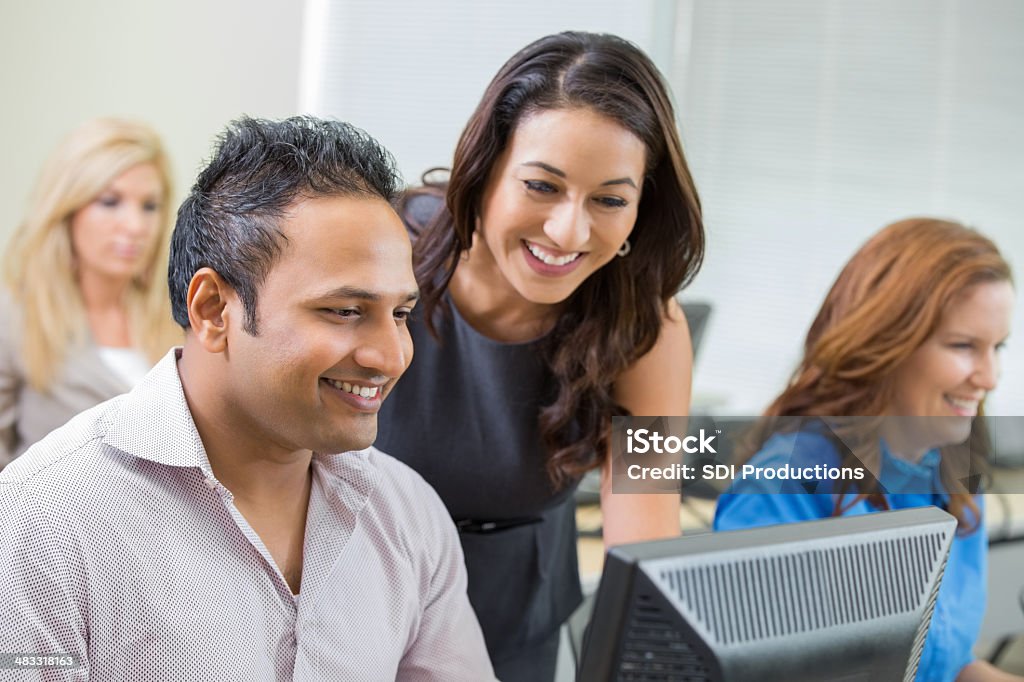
[(614, 317), (887, 301)]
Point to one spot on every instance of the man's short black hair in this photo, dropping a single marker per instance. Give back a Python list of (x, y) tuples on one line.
[(229, 222)]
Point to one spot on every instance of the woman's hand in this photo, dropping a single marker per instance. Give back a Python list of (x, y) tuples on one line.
[(983, 671)]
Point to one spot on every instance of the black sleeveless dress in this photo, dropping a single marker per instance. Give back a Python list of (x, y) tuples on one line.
[(464, 416)]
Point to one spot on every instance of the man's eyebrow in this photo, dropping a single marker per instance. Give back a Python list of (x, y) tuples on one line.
[(365, 294), (561, 173)]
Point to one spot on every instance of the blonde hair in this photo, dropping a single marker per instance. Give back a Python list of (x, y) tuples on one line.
[(39, 260)]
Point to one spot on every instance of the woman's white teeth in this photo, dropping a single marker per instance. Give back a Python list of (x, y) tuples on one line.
[(550, 259), (963, 404), (361, 391)]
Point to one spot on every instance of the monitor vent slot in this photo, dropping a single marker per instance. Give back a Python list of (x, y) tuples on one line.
[(922, 629), (654, 650), (777, 596)]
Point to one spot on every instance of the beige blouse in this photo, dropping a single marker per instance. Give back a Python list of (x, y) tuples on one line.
[(26, 414)]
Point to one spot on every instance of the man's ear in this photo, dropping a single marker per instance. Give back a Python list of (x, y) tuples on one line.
[(208, 312)]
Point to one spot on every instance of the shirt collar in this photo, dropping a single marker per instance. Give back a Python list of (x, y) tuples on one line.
[(153, 421), (901, 475)]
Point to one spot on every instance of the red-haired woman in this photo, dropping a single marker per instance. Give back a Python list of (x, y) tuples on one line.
[(907, 345)]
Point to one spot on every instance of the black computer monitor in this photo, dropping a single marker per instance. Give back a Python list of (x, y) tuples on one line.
[(844, 599)]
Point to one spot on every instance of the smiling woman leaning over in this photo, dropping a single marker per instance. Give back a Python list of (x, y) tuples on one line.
[(548, 272)]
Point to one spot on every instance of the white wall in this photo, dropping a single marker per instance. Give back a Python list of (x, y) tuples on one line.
[(186, 66), (412, 72)]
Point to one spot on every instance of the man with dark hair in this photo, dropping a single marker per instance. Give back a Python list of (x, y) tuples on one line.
[(202, 527)]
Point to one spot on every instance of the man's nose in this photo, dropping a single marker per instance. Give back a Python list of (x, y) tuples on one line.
[(386, 349)]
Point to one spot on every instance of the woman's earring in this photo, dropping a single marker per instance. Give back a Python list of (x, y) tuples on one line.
[(624, 251)]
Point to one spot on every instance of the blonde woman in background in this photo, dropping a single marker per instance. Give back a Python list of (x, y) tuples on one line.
[(84, 311)]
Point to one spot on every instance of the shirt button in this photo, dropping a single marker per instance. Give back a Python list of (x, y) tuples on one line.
[(210, 483)]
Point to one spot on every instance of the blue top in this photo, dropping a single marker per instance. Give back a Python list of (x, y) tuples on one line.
[(961, 602)]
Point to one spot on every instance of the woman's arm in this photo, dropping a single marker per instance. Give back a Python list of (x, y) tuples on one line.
[(658, 384)]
